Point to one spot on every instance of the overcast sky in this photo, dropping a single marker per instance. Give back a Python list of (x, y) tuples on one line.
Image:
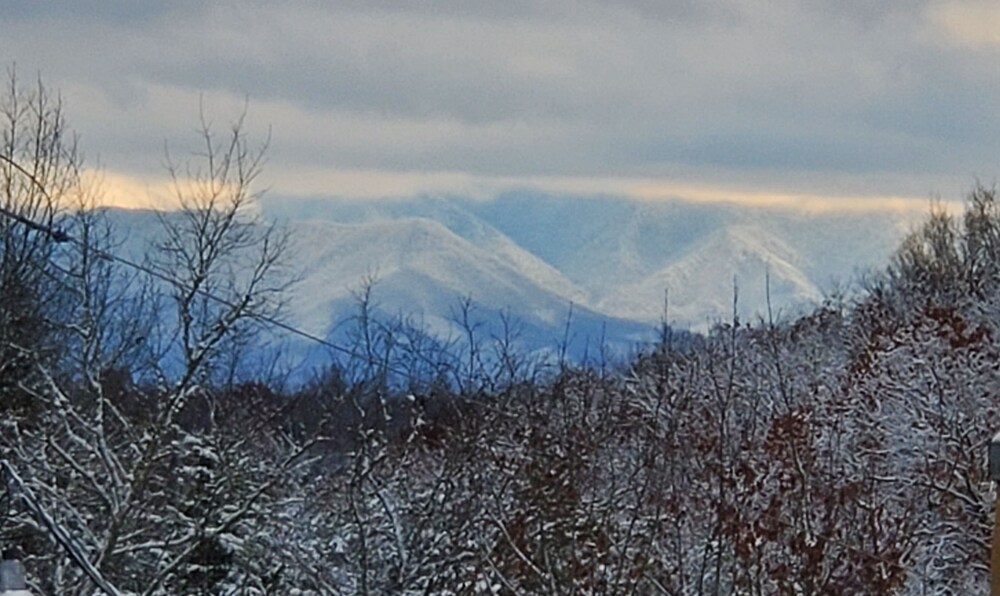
[(766, 100)]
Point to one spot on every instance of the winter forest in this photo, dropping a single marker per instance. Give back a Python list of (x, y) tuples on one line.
[(840, 452)]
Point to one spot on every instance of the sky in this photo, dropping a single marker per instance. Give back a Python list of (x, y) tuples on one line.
[(820, 103)]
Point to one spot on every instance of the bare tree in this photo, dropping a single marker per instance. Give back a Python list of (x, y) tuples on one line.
[(155, 483), (39, 174), (226, 265)]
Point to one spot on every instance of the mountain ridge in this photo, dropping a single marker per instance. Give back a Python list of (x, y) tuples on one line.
[(609, 253), (602, 263)]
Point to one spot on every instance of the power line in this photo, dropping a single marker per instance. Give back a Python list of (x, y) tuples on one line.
[(72, 549), (61, 236), (54, 233)]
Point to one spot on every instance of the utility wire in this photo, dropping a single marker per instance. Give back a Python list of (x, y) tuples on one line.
[(54, 233), (14, 482), (61, 236)]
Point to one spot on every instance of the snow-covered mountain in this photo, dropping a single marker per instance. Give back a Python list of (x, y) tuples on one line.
[(610, 255), (536, 257), (700, 284), (423, 270), (419, 267)]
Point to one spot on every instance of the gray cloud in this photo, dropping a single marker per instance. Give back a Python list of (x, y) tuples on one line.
[(724, 88), (121, 12)]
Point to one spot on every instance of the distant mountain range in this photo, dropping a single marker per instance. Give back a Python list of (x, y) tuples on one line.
[(613, 256), (534, 255)]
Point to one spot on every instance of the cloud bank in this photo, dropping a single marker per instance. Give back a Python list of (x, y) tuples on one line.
[(856, 99)]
